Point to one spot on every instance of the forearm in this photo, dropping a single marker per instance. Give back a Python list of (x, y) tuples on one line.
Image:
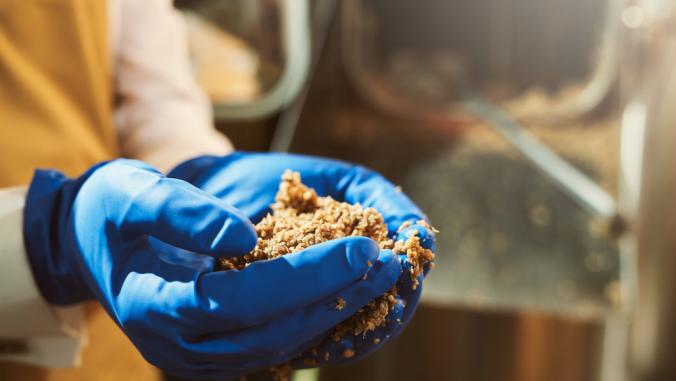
[(33, 331), (170, 150), (163, 117)]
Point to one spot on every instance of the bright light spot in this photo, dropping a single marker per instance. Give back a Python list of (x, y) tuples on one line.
[(633, 16), (631, 153)]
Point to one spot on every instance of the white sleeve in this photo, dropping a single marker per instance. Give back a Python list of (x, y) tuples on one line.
[(31, 331), (163, 117)]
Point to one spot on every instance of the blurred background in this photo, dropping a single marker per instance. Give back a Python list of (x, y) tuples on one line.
[(538, 135)]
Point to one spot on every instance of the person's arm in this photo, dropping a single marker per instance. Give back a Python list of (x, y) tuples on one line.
[(163, 117), (31, 330)]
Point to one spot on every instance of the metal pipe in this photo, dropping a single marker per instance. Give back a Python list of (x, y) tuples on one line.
[(584, 190), (296, 37)]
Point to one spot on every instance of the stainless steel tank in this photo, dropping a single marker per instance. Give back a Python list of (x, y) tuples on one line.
[(504, 124), (651, 107)]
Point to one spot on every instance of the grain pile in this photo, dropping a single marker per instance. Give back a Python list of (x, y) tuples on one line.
[(300, 218)]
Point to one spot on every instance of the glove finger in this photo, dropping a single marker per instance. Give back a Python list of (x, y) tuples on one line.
[(397, 319), (364, 345), (409, 296), (351, 348), (284, 338), (426, 236), (268, 289), (361, 185), (146, 202)]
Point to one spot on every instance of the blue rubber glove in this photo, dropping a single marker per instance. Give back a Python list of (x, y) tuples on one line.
[(249, 181), (143, 245)]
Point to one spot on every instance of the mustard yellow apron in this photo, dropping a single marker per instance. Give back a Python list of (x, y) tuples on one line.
[(55, 112), (55, 87)]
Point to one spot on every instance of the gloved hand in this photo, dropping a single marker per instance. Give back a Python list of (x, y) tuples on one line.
[(249, 181), (144, 246)]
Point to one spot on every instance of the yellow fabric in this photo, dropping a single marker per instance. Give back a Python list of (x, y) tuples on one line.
[(55, 87), (55, 112)]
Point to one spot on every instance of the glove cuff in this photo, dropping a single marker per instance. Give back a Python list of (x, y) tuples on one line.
[(46, 221)]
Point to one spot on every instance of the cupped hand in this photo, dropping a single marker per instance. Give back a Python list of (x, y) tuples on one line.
[(144, 246)]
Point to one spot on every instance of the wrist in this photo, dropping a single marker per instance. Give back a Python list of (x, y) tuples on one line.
[(46, 222)]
